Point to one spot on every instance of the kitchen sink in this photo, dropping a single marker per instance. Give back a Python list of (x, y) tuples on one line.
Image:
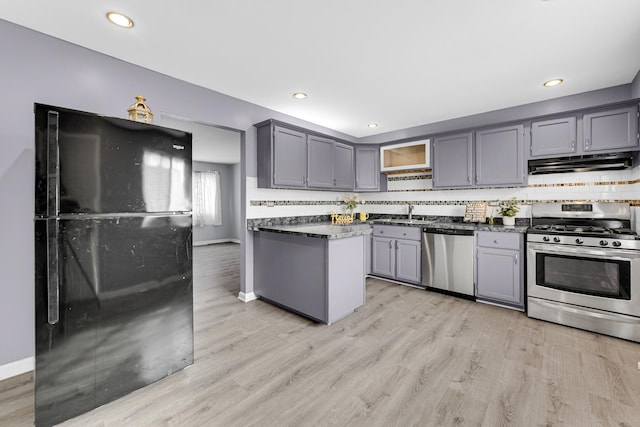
[(402, 221)]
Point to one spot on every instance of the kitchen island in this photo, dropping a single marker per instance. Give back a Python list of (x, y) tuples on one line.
[(315, 270)]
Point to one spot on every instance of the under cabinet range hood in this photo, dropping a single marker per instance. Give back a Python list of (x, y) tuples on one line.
[(596, 162)]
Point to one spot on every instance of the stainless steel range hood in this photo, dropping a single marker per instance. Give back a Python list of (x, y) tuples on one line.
[(596, 162)]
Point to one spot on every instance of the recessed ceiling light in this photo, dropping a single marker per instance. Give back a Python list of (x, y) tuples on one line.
[(373, 125), (299, 95), (554, 82), (120, 19)]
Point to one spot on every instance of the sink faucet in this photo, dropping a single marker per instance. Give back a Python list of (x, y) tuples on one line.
[(410, 211)]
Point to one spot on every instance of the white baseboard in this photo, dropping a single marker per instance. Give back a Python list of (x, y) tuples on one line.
[(16, 368), (247, 297), (215, 242)]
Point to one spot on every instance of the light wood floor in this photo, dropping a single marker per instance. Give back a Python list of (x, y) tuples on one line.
[(407, 358)]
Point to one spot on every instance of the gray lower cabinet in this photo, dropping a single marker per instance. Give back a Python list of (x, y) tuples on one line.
[(322, 279), (453, 161), (367, 169), (396, 253), (611, 130), (500, 268)]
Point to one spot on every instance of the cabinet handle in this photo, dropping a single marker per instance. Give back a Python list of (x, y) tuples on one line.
[(586, 143), (468, 179), (573, 145), (390, 244), (516, 259), (495, 241)]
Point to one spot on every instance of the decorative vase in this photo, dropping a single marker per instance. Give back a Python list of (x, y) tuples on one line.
[(509, 220)]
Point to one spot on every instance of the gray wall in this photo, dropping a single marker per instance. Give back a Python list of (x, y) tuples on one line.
[(635, 86), (39, 68), (230, 196)]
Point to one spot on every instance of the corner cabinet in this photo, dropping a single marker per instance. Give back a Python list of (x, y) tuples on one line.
[(500, 268), (396, 253), (367, 169), (297, 159)]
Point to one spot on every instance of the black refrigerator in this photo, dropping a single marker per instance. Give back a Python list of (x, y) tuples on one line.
[(113, 266)]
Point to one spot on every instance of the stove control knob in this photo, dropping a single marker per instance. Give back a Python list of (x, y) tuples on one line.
[(579, 241), (603, 243), (545, 238), (617, 244), (556, 239)]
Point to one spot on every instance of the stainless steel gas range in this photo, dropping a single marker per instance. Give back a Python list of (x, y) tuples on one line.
[(583, 267)]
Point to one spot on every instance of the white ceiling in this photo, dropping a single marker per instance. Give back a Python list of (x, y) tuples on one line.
[(399, 63)]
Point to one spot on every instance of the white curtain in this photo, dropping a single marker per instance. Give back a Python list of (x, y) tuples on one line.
[(206, 199)]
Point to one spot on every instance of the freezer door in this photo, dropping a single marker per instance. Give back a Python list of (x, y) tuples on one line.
[(92, 164), (125, 315)]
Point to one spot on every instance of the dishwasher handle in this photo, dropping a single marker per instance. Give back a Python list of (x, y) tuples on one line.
[(449, 231)]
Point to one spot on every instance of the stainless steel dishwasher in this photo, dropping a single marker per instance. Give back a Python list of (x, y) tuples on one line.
[(448, 259)]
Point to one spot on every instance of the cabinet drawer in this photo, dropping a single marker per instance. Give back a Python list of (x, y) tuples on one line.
[(397, 232), (497, 239)]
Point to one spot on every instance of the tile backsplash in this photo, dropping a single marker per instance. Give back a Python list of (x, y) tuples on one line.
[(416, 189)]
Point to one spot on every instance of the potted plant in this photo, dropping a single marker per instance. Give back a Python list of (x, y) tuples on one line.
[(352, 201), (508, 209)]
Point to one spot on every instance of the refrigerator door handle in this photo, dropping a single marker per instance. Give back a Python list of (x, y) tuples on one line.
[(53, 281), (53, 158)]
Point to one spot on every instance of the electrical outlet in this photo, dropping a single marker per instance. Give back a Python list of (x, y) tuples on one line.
[(638, 365)]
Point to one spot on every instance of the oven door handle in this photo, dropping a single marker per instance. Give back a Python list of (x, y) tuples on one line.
[(617, 317), (587, 252)]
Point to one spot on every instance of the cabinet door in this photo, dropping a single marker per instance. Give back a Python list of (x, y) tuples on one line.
[(408, 260), (498, 276), (611, 130), (554, 137), (289, 158), (367, 168), (500, 156), (320, 162), (383, 256), (342, 167), (453, 161)]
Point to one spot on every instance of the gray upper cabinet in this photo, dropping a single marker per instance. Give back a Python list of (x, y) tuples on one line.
[(368, 177), (611, 130), (293, 158), (289, 158), (453, 161), (551, 138), (320, 162), (499, 158), (343, 173)]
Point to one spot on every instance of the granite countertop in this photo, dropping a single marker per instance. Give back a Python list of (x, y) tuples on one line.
[(481, 227), (454, 225), (318, 230)]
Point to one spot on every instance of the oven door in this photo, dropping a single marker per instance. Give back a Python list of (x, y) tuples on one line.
[(604, 279)]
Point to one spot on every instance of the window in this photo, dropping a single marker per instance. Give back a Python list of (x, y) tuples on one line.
[(206, 199)]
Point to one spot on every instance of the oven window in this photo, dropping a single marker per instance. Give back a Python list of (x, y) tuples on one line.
[(592, 276)]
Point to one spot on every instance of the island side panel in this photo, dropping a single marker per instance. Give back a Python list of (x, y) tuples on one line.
[(291, 270), (346, 276)]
